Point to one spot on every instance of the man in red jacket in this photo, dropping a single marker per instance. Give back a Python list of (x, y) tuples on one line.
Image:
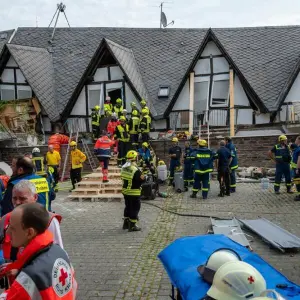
[(43, 269)]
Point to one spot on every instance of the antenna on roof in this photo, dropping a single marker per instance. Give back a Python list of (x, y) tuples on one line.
[(163, 19), (60, 9)]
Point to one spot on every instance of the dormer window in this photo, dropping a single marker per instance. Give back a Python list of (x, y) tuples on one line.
[(164, 91)]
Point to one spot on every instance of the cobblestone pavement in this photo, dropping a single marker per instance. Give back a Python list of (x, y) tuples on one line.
[(113, 264)]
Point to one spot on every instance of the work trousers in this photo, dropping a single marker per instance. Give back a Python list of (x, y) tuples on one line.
[(75, 175), (201, 182), (122, 151), (104, 162), (134, 140), (224, 180), (232, 181), (95, 131), (132, 207), (174, 163), (282, 169), (145, 137), (55, 174), (188, 173)]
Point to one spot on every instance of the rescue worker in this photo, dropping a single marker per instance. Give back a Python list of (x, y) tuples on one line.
[(3, 185), (144, 104), (77, 158), (132, 180), (104, 120), (134, 109), (146, 158), (295, 164), (53, 160), (43, 269), (280, 153), (122, 136), (223, 161), (107, 105), (102, 150), (145, 125), (133, 124), (95, 116), (234, 163), (118, 108), (203, 160), (188, 172), (38, 161), (175, 153), (112, 124)]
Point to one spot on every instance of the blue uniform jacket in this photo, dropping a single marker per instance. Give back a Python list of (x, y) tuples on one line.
[(146, 155), (282, 154), (188, 155), (296, 154), (234, 163), (203, 158)]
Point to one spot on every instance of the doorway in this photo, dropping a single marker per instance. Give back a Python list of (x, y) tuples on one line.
[(114, 95)]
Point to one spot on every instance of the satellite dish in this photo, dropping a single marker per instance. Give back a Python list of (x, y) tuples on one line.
[(163, 19)]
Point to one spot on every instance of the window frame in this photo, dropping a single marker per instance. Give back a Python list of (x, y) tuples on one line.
[(23, 88), (217, 78), (7, 87), (163, 87)]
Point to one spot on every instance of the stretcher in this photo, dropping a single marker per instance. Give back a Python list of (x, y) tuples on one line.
[(182, 257)]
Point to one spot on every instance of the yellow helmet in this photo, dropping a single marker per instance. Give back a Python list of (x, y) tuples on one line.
[(119, 101), (73, 143), (131, 155), (175, 139), (143, 102), (282, 138), (202, 143), (122, 118), (97, 107), (161, 163), (134, 112), (145, 144), (145, 111)]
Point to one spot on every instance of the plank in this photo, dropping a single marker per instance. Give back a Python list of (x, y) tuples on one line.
[(98, 198), (98, 184)]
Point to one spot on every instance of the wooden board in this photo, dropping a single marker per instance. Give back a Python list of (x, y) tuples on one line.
[(110, 170), (98, 198), (98, 176), (98, 184)]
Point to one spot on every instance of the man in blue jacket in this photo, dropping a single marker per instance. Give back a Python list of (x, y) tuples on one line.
[(234, 163)]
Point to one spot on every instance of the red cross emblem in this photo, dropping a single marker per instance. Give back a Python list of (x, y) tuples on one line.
[(251, 279), (63, 276)]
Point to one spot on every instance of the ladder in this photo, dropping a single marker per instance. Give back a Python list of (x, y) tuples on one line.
[(89, 155)]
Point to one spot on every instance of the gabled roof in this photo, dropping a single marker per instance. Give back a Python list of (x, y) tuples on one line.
[(4, 37), (37, 67)]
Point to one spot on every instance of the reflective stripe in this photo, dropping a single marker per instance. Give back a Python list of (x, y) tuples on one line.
[(234, 167), (233, 185), (29, 286), (277, 184), (203, 172), (288, 184), (204, 189), (278, 156), (195, 190), (293, 165), (131, 192)]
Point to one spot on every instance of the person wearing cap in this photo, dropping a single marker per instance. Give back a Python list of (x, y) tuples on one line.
[(132, 179), (107, 104), (125, 114), (234, 163), (133, 124), (118, 108), (95, 116), (188, 172), (145, 125), (134, 108), (203, 165), (175, 153), (146, 158), (122, 136), (38, 161), (77, 158), (281, 154)]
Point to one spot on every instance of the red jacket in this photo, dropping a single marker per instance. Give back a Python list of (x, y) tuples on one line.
[(111, 127), (45, 272), (58, 139), (102, 147)]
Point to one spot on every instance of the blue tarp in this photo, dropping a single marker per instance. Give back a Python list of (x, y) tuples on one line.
[(182, 257)]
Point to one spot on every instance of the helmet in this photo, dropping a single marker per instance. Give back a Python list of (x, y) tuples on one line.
[(124, 110), (215, 261), (119, 101), (175, 139), (97, 107), (282, 138), (131, 155), (122, 118), (143, 102), (107, 98), (36, 150), (73, 143), (161, 163), (145, 111), (145, 144), (134, 112), (114, 115), (133, 104), (202, 143), (237, 280)]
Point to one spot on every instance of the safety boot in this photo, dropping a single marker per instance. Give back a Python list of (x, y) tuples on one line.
[(133, 227), (194, 195), (125, 224)]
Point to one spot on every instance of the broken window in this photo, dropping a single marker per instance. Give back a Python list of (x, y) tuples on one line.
[(163, 91), (201, 96), (220, 93)]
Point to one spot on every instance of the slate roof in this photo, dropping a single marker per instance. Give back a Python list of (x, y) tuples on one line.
[(37, 66), (266, 56), (4, 37)]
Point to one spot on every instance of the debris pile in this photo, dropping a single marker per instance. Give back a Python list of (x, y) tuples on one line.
[(254, 174)]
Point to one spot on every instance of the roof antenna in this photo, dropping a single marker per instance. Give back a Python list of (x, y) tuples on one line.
[(60, 9), (163, 19)]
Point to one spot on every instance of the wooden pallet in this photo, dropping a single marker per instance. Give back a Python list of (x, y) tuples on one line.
[(97, 198), (98, 176), (98, 184), (110, 170)]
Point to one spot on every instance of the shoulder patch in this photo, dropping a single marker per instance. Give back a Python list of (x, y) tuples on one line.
[(61, 277)]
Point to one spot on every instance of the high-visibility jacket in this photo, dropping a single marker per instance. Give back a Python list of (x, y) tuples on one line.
[(118, 110), (42, 188), (102, 147), (10, 253), (45, 272), (95, 116), (39, 164), (136, 110), (122, 133), (145, 124), (282, 153), (234, 163), (145, 107), (108, 107), (203, 158), (57, 140), (53, 158), (77, 158), (134, 123), (294, 162), (111, 127), (131, 181)]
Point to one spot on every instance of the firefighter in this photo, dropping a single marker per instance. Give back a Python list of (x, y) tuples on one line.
[(118, 108), (175, 156), (234, 163), (132, 180), (280, 153), (144, 104), (107, 105), (146, 158), (38, 161), (122, 135), (134, 108), (145, 125), (188, 173), (53, 160), (125, 114), (102, 150), (112, 124), (77, 158), (134, 123), (203, 158), (295, 164), (95, 115)]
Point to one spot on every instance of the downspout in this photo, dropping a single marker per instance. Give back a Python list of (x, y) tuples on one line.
[(231, 103), (191, 106)]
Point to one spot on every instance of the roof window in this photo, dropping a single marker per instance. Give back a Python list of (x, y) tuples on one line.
[(164, 91)]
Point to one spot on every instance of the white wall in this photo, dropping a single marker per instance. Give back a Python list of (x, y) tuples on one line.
[(294, 93), (7, 75), (101, 74), (46, 124), (116, 73), (240, 97), (202, 66), (220, 64), (11, 62), (80, 106), (183, 100), (211, 49), (244, 116), (130, 97), (160, 124), (262, 118)]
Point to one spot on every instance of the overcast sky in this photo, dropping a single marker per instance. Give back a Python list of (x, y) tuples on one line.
[(145, 13)]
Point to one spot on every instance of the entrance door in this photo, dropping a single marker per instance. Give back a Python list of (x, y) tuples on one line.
[(114, 95)]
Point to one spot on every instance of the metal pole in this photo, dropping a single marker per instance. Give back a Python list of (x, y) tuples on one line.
[(161, 5), (55, 25), (231, 103)]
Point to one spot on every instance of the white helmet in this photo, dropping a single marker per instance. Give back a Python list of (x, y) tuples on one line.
[(269, 294), (36, 150), (215, 261), (237, 280), (114, 115)]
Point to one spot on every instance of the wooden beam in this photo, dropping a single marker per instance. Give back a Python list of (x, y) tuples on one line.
[(231, 105), (191, 106)]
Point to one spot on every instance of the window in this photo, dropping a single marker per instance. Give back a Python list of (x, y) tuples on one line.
[(201, 96), (163, 91), (220, 93), (24, 92), (94, 98), (7, 92)]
